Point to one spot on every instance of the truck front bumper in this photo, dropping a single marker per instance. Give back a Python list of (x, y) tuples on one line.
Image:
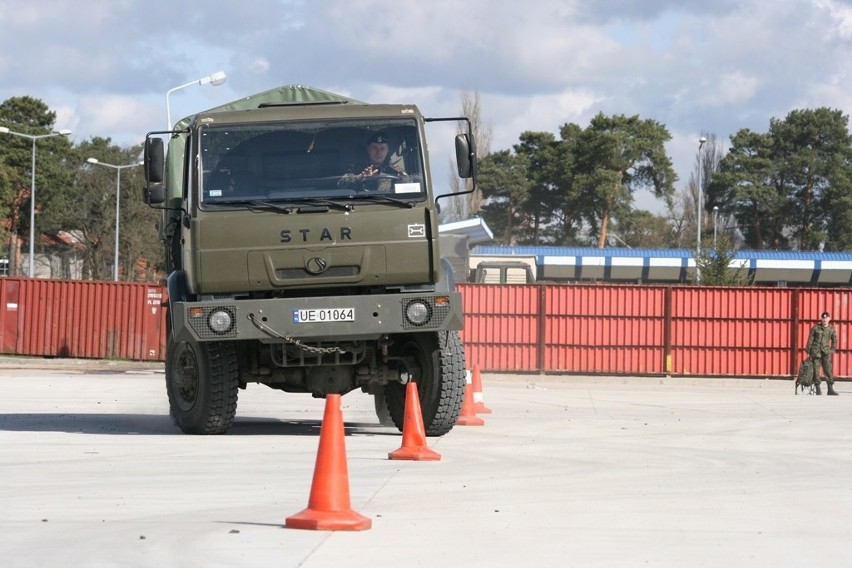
[(317, 319)]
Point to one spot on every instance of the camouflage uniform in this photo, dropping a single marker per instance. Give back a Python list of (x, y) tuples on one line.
[(822, 342), (374, 169)]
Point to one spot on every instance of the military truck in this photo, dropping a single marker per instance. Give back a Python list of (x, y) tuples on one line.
[(293, 266)]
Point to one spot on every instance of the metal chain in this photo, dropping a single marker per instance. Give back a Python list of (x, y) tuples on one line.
[(311, 348), (292, 340)]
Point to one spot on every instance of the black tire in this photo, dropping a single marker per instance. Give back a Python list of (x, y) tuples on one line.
[(202, 381), (435, 362), (173, 247), (382, 412)]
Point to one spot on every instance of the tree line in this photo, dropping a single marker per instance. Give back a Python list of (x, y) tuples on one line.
[(75, 201), (789, 188)]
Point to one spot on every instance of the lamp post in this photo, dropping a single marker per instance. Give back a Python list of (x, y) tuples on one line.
[(715, 221), (117, 201), (701, 142), (33, 138), (215, 80)]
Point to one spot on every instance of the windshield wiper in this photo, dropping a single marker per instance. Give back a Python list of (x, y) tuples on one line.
[(323, 201), (384, 198), (261, 204), (297, 204)]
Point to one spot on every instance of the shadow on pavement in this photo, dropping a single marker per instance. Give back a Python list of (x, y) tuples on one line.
[(157, 424), (122, 424)]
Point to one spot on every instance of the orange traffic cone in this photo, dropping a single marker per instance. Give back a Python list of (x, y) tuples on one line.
[(468, 416), (478, 404), (328, 506), (413, 432)]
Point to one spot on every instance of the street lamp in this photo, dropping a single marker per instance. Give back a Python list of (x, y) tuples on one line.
[(215, 80), (715, 220), (33, 138), (701, 142), (117, 200)]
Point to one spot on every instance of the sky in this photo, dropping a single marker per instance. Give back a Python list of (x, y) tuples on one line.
[(699, 68)]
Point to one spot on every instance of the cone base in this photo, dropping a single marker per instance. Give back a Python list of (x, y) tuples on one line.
[(470, 421), (417, 453), (312, 519)]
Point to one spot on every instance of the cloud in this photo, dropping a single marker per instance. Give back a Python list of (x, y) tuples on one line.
[(542, 113), (122, 118), (840, 15), (260, 65), (731, 88), (105, 65)]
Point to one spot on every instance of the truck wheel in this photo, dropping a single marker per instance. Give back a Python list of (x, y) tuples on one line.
[(202, 381), (435, 361), (382, 412)]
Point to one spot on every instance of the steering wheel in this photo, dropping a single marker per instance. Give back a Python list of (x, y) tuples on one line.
[(379, 183)]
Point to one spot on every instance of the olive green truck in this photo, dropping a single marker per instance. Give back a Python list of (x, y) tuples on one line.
[(292, 265)]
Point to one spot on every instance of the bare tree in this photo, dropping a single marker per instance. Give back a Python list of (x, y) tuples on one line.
[(683, 210), (464, 206)]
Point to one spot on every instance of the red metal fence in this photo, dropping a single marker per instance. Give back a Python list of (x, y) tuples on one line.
[(558, 328), (649, 330)]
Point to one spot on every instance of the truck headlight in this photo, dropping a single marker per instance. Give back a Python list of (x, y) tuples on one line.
[(418, 312), (220, 321)]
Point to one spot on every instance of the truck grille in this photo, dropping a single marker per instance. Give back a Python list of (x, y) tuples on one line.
[(332, 272)]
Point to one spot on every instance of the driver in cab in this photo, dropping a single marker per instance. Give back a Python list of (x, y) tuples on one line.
[(379, 167)]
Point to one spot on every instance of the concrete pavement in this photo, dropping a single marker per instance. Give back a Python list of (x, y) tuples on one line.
[(567, 471)]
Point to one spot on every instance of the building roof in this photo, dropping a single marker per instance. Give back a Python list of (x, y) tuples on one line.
[(474, 229), (542, 251)]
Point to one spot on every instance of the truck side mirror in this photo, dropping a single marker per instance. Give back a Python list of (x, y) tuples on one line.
[(465, 156), (154, 193), (155, 159)]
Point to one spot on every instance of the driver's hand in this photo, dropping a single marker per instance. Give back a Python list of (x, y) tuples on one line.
[(368, 171)]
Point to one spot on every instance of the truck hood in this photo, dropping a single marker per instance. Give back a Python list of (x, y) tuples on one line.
[(374, 245)]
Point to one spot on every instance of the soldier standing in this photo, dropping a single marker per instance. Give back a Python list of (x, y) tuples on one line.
[(822, 343)]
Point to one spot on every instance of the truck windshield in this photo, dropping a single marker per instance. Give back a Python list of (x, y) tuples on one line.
[(340, 160)]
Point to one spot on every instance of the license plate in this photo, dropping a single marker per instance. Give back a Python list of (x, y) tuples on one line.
[(323, 315)]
